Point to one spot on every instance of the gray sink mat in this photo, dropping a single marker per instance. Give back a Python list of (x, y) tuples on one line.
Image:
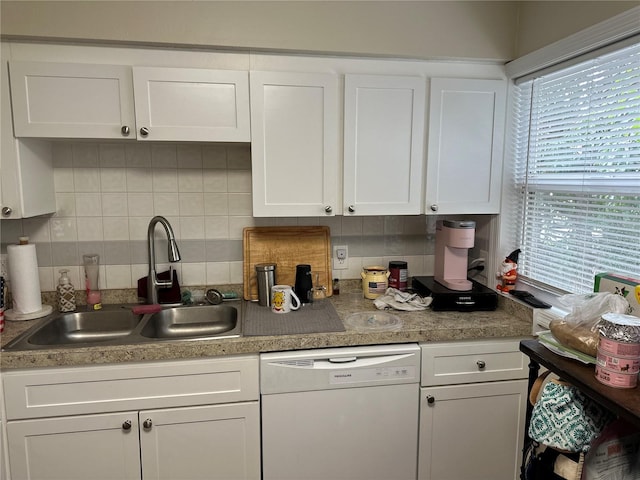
[(259, 320)]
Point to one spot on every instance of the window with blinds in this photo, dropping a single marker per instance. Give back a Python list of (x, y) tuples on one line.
[(575, 186)]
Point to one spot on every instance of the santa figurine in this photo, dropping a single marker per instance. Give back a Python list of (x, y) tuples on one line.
[(508, 273)]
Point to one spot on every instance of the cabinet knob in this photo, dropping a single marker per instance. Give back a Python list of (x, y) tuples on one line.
[(126, 425), (434, 208), (481, 364), (328, 209), (144, 131), (351, 209), (125, 130), (431, 399), (147, 423), (7, 211)]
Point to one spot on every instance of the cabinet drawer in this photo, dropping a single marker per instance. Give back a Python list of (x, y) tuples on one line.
[(52, 392), (468, 362)]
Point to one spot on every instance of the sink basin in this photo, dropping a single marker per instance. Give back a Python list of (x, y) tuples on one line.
[(194, 321), (118, 325), (86, 327)]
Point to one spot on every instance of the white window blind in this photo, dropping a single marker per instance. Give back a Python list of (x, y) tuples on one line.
[(576, 172)]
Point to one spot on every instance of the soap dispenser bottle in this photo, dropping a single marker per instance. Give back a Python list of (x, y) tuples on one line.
[(66, 294)]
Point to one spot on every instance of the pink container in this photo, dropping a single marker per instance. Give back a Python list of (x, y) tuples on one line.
[(616, 379), (618, 364), (619, 349)]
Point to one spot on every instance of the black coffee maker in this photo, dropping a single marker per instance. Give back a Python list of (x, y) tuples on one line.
[(304, 283)]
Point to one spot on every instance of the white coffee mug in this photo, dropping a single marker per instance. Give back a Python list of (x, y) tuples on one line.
[(283, 299)]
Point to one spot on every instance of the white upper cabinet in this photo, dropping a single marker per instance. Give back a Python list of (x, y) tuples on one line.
[(53, 100), (466, 134), (66, 100), (27, 165), (294, 143), (383, 144), (191, 104)]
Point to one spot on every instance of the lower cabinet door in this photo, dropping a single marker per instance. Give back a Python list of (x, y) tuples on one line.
[(213, 442), (100, 447), (472, 432)]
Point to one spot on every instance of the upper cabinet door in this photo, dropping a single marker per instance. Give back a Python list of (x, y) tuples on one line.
[(466, 135), (54, 100), (191, 104), (294, 145), (383, 144)]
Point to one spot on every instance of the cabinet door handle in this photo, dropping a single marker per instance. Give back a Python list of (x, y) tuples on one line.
[(147, 424), (434, 208), (144, 131), (431, 399), (125, 130), (351, 209), (481, 364), (7, 211), (126, 425), (328, 209)]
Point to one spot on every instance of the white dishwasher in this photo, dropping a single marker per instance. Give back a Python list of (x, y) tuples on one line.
[(340, 413)]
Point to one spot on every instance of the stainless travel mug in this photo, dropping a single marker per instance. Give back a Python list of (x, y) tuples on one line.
[(266, 278)]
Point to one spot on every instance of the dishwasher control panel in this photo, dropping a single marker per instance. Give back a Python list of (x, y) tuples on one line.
[(360, 375)]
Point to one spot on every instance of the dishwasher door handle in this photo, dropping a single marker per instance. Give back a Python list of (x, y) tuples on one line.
[(342, 360)]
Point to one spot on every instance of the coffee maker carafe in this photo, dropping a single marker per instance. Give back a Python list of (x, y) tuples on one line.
[(454, 238)]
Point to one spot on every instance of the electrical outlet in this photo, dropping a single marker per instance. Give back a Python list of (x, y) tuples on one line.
[(340, 257)]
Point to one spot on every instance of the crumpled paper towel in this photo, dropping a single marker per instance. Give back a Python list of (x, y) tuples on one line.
[(399, 300)]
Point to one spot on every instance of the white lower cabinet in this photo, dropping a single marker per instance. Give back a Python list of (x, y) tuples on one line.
[(472, 410), (215, 434)]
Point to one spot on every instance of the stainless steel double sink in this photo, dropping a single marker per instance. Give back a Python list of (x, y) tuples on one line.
[(118, 325)]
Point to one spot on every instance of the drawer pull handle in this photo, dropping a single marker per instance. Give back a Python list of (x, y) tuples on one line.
[(431, 399), (481, 364), (126, 425), (147, 424)]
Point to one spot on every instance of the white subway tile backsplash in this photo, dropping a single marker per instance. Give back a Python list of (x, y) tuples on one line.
[(114, 205), (113, 180), (166, 204), (218, 273), (139, 180), (216, 227), (189, 156), (138, 155), (111, 155), (140, 204), (191, 228), (164, 156), (62, 155), (214, 156), (65, 205), (86, 179), (165, 180), (63, 180), (239, 181), (63, 229), (107, 193), (240, 204), (85, 155), (90, 229), (214, 181), (116, 228), (193, 274)]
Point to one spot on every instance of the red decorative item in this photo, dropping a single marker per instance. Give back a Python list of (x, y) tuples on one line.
[(508, 273)]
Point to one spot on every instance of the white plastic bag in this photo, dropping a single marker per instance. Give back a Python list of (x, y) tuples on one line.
[(579, 329)]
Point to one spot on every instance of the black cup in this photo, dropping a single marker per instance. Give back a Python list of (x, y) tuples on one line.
[(304, 283)]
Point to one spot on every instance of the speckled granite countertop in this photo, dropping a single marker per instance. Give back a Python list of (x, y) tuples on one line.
[(511, 319)]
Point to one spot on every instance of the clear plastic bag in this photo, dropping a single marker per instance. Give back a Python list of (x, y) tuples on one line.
[(579, 329)]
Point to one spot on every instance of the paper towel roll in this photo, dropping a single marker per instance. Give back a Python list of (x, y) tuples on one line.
[(25, 282)]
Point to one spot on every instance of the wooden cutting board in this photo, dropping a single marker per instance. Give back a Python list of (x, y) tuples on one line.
[(286, 247)]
